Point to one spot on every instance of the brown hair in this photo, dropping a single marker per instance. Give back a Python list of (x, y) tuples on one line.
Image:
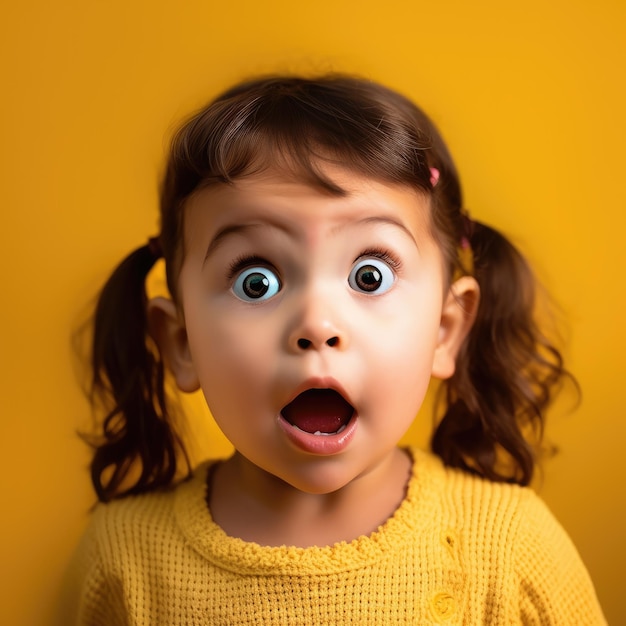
[(506, 371)]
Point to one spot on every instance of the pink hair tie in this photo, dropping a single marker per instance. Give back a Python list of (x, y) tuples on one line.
[(434, 176)]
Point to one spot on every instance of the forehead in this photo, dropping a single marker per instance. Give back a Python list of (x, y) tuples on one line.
[(275, 195)]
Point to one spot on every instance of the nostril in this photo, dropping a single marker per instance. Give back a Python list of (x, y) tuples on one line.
[(305, 344)]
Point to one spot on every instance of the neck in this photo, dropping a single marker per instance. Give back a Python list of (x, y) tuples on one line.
[(256, 506)]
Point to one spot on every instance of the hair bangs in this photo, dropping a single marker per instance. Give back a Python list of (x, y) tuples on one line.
[(297, 128)]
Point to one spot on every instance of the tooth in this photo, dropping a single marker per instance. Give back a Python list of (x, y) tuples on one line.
[(320, 433)]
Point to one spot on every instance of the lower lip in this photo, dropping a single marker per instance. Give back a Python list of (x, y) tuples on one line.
[(323, 445)]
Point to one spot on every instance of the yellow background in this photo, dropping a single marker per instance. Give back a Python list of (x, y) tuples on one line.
[(529, 95)]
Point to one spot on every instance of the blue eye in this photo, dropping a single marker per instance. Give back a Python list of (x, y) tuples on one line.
[(256, 283), (371, 276)]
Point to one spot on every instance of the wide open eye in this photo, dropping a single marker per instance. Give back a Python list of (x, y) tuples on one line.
[(371, 276), (256, 283)]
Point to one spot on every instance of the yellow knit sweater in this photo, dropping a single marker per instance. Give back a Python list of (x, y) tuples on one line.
[(458, 550)]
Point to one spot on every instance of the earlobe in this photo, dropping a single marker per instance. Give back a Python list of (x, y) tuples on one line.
[(458, 315), (168, 331)]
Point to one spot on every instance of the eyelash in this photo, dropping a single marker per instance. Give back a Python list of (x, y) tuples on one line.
[(383, 255), (244, 261)]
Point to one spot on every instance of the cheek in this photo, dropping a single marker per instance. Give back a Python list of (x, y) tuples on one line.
[(230, 354), (402, 356), (407, 366), (409, 328)]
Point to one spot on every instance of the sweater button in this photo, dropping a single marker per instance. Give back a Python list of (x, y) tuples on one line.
[(443, 606)]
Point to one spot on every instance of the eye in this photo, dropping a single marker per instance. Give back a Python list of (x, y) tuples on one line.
[(371, 276), (256, 283)]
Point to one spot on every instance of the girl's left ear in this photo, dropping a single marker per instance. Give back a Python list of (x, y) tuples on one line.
[(167, 328), (458, 315)]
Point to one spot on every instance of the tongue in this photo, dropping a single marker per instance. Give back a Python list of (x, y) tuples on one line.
[(318, 410)]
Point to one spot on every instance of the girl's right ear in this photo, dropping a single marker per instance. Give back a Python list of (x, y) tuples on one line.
[(168, 331)]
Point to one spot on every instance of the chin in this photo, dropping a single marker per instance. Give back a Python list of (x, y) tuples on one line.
[(318, 480)]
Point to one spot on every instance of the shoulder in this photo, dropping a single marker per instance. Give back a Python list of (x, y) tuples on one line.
[(122, 536), (125, 532), (507, 533), (130, 518), (553, 580), (128, 546), (484, 519), (145, 519), (463, 494)]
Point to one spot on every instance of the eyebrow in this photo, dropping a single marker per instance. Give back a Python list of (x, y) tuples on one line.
[(235, 229), (379, 219), (227, 231)]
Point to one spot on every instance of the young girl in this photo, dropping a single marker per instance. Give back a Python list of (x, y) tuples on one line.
[(322, 269)]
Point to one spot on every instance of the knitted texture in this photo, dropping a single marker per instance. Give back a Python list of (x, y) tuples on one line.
[(458, 550)]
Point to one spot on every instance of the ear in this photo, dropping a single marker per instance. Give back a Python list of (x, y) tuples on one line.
[(167, 328), (457, 317)]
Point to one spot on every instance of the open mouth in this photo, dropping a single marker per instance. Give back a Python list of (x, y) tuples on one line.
[(319, 412)]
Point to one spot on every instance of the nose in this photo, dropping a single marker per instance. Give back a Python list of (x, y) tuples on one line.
[(317, 325)]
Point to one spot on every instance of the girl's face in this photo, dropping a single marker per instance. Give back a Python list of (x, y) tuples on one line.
[(313, 322)]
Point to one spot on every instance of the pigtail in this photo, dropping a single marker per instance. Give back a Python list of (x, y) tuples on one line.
[(128, 379), (506, 372)]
